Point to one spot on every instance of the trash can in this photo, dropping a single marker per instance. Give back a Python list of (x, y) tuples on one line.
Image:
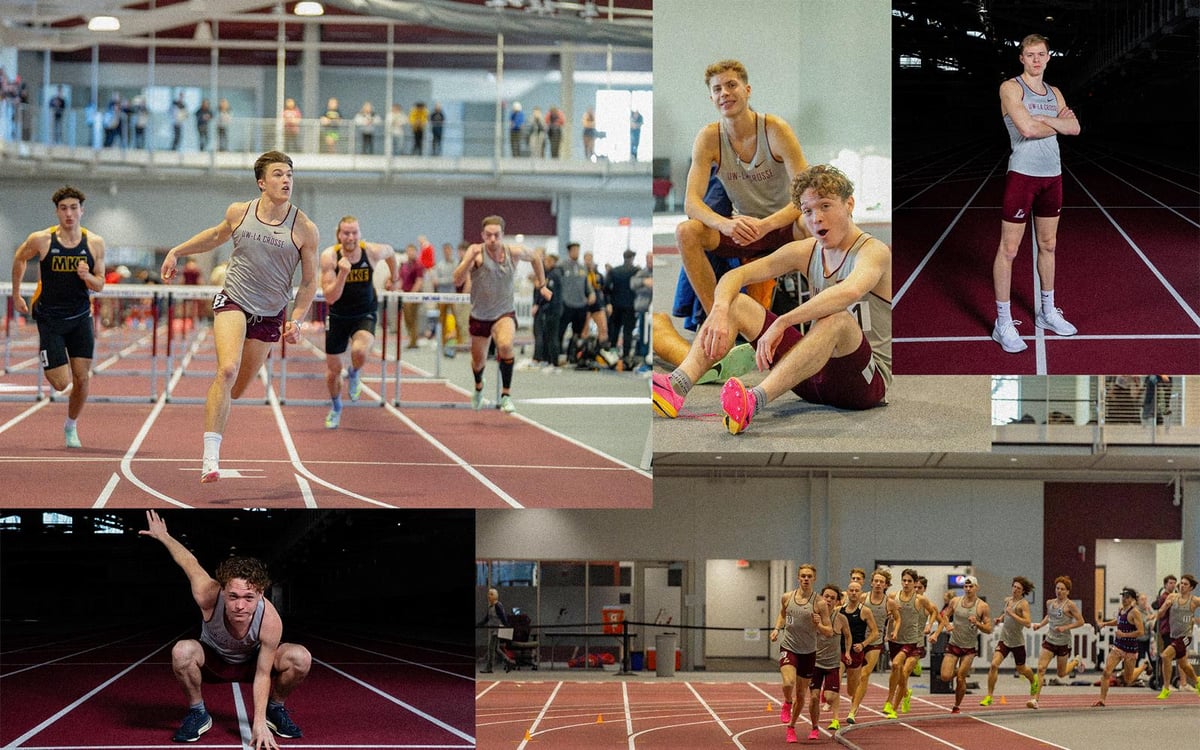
[(665, 644), (937, 651)]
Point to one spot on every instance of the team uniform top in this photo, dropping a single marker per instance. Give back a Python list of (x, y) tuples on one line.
[(1125, 643), (217, 637), (910, 620), (799, 634), (264, 259), (1012, 633), (1058, 617), (492, 286), (757, 188), (880, 612), (358, 293), (873, 313), (1035, 157), (1181, 617), (964, 634), (829, 648), (60, 293), (858, 626)]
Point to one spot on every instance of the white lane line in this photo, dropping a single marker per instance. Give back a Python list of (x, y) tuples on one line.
[(243, 719), (109, 488), (541, 715), (306, 492)]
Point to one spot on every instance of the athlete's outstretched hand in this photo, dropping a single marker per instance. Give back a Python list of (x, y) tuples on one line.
[(156, 527)]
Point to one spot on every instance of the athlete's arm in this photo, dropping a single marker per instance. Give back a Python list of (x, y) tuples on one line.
[(706, 150), (1139, 624), (781, 620), (872, 628), (205, 589), (1078, 620), (1020, 613), (539, 271), (822, 619), (1065, 123), (843, 627), (34, 246), (269, 633), (784, 145), (307, 238), (463, 271), (203, 242), (1027, 126), (333, 275), (376, 252), (93, 276), (984, 620)]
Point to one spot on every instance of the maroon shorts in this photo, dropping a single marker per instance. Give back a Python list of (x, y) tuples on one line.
[(858, 658), (483, 328), (1037, 196), (768, 243), (876, 647), (258, 327), (849, 382), (216, 669), (958, 651), (1063, 650), (803, 663), (826, 679), (1018, 652), (1181, 646), (911, 650)]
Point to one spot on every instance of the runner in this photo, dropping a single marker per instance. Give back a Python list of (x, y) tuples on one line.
[(1130, 627), (1062, 616), (802, 615), (883, 610), (970, 617), (1013, 621)]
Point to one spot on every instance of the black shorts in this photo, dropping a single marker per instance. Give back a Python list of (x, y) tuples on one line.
[(339, 331), (62, 340)]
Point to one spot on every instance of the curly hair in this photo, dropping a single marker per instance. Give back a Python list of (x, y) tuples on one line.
[(250, 569), (726, 66), (883, 573), (823, 179), (66, 191), (1026, 585), (1065, 581)]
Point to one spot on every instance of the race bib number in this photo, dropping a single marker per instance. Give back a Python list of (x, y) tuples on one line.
[(862, 314), (219, 301)]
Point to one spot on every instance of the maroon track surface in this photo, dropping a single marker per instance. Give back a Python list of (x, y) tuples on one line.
[(1126, 272), (359, 693), (142, 453)]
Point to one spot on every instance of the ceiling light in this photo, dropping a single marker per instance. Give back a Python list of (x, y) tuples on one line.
[(309, 8), (104, 23)]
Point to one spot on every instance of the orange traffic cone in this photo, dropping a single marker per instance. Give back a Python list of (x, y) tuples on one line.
[(599, 718), (770, 708), (1003, 701), (528, 737)]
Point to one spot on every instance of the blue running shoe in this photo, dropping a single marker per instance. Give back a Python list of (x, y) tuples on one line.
[(196, 723), (355, 385), (280, 723)]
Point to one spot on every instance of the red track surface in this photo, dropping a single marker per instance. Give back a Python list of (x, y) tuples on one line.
[(1126, 274), (361, 694), (146, 454)]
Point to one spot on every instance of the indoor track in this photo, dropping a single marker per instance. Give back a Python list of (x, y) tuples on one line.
[(1126, 272), (142, 427)]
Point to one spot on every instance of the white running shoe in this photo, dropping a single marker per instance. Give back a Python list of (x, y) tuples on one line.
[(1055, 321), (209, 471), (1007, 337)]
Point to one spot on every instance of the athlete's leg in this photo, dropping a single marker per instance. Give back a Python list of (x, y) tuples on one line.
[(187, 657), (59, 377), (333, 374), (1046, 230), (1185, 668), (693, 239), (254, 353), (503, 332), (745, 316), (229, 335), (853, 677), (81, 375), (868, 669), (1114, 656), (835, 336), (994, 671), (963, 673), (360, 348), (1010, 243), (1168, 661), (1131, 669), (292, 663)]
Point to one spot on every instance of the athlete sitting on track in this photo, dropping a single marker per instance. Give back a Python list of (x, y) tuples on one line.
[(348, 283), (270, 237), (844, 360), (71, 262), (239, 642)]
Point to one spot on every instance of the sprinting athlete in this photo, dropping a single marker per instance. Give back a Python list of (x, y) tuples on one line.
[(1130, 628), (348, 283), (833, 651), (970, 617), (915, 611), (1013, 621), (1181, 609), (883, 610), (802, 615), (1062, 616), (71, 264), (863, 630)]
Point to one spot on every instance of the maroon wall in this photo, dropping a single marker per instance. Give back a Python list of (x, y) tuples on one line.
[(520, 217), (1079, 514)]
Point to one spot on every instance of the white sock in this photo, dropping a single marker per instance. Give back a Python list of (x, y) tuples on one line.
[(1003, 312), (212, 446), (69, 424), (1047, 301)]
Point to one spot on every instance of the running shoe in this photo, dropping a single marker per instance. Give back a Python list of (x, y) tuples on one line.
[(824, 706), (209, 471), (355, 385), (791, 735), (1166, 691), (196, 723), (477, 398), (738, 405), (986, 701), (906, 702), (506, 404), (1073, 667), (333, 419), (1098, 704), (738, 362), (917, 669), (1197, 687), (785, 714), (280, 723), (888, 711), (1007, 337), (814, 734), (834, 725), (850, 721), (956, 710), (1054, 321), (1032, 703), (72, 437), (667, 402)]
